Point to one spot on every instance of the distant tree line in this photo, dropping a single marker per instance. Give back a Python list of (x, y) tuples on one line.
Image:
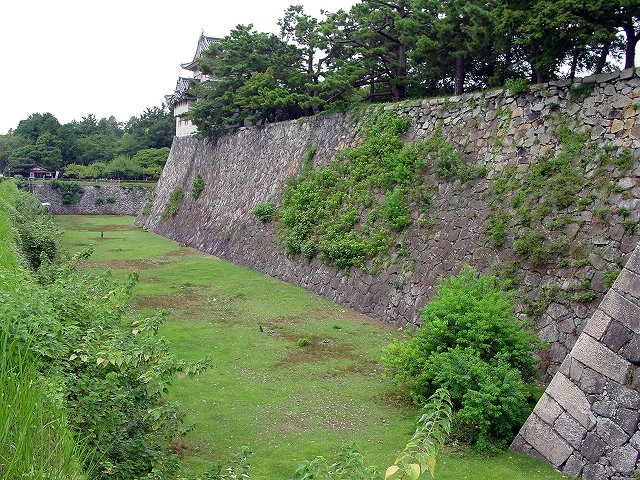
[(390, 50), (90, 148)]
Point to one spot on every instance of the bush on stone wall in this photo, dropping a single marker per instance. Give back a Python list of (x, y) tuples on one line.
[(197, 186), (173, 205), (471, 343), (265, 211)]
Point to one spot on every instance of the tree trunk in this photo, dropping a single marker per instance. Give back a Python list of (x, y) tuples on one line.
[(574, 62), (630, 50), (398, 85), (459, 80), (602, 59)]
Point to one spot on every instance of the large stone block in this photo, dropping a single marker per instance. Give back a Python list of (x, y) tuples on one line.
[(592, 447), (570, 430), (611, 433), (572, 399), (628, 282), (624, 396), (548, 443), (616, 336), (597, 325), (548, 409), (623, 459), (599, 358), (622, 310)]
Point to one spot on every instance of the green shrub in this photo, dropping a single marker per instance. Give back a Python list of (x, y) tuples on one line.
[(21, 182), (37, 235), (629, 224), (265, 211), (197, 187), (173, 205), (349, 211), (471, 343), (303, 342), (395, 210), (516, 85), (70, 192), (307, 164), (108, 370)]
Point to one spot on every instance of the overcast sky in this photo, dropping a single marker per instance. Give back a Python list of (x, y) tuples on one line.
[(75, 57)]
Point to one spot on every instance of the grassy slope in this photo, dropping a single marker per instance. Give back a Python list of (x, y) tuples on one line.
[(35, 442), (287, 403)]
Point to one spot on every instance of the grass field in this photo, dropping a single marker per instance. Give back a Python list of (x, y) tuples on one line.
[(285, 401)]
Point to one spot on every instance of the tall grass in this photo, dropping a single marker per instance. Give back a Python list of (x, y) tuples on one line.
[(35, 442)]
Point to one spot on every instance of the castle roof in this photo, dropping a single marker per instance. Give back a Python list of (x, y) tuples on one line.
[(181, 91), (203, 44)]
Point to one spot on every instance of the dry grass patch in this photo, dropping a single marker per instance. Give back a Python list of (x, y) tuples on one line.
[(318, 350)]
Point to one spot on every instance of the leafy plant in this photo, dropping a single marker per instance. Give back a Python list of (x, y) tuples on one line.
[(471, 343), (21, 182), (629, 224), (108, 370), (516, 85), (420, 454), (197, 186), (173, 205), (265, 211), (307, 164), (37, 235)]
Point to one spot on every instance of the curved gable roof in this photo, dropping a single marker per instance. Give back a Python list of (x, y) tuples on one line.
[(203, 44)]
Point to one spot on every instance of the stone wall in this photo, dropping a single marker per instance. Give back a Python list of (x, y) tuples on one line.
[(586, 423), (496, 129), (97, 200)]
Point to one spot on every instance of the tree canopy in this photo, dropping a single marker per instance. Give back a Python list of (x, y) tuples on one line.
[(390, 50), (91, 147)]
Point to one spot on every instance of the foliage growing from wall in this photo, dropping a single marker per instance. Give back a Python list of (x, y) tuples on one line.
[(70, 192), (580, 92), (351, 210), (265, 211), (197, 186), (535, 204), (471, 343), (516, 85), (173, 205), (148, 205)]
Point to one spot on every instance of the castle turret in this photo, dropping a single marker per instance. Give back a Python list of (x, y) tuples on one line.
[(180, 100)]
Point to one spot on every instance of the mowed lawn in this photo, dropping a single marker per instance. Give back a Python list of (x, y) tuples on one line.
[(293, 375)]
